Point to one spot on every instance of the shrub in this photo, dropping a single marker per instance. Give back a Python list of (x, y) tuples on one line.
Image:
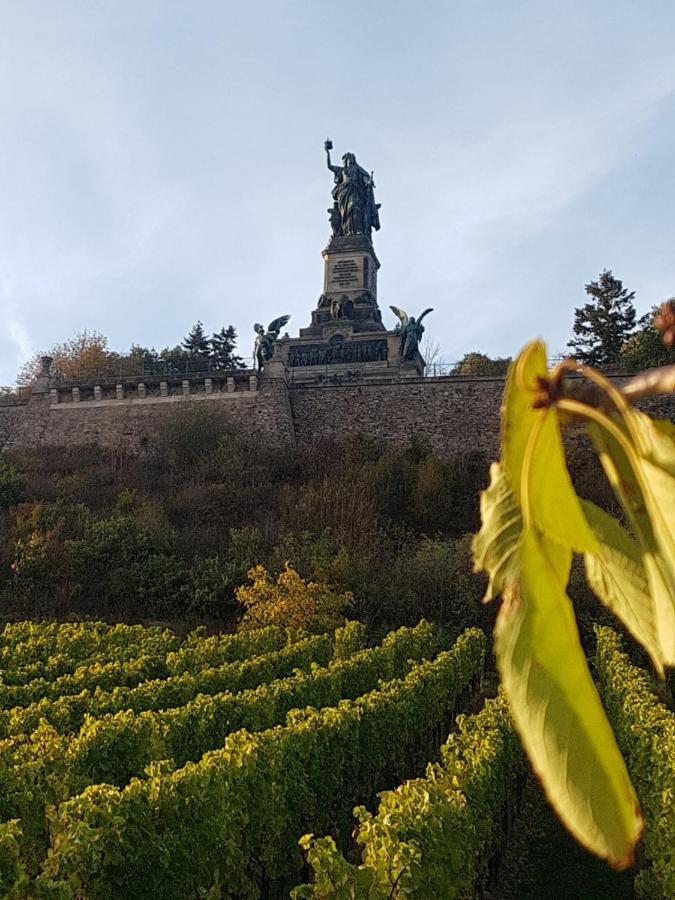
[(11, 485), (291, 602)]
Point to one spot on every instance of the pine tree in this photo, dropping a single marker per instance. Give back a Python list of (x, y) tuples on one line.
[(223, 345), (602, 326), (197, 345)]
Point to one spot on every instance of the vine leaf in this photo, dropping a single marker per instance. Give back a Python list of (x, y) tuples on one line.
[(557, 710), (533, 458), (619, 579), (495, 547), (640, 468)]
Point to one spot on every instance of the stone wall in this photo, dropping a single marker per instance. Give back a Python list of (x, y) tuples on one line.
[(131, 423), (452, 414)]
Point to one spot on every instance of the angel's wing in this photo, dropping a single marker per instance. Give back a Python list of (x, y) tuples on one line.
[(426, 312), (403, 316), (277, 324)]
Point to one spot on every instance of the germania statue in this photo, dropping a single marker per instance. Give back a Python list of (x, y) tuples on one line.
[(354, 210)]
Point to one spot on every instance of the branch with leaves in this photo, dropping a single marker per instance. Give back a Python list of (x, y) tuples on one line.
[(532, 524)]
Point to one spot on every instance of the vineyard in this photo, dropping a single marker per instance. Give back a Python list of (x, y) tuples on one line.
[(138, 764)]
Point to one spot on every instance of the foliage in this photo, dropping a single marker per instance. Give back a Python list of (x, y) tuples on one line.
[(644, 349), (247, 804), (223, 345), (116, 747), (433, 836), (475, 363), (202, 504), (84, 356), (11, 485), (602, 326), (349, 639), (196, 344), (533, 522), (290, 602), (645, 730)]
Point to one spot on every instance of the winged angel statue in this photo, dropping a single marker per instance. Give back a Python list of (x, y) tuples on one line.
[(410, 332), (263, 349)]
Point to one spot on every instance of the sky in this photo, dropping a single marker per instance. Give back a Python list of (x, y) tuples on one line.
[(162, 162)]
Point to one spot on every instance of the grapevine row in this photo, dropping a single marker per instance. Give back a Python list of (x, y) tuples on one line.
[(31, 659), (116, 748), (432, 837), (645, 731), (233, 819), (68, 713), (25, 643), (134, 675)]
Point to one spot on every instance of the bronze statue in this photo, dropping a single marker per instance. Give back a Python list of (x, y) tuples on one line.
[(335, 219), (263, 349), (341, 307), (410, 332), (354, 210)]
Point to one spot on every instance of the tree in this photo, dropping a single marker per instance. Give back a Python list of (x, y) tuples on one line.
[(476, 363), (602, 326), (223, 345), (142, 360), (82, 357), (173, 360), (290, 602), (197, 345), (645, 349)]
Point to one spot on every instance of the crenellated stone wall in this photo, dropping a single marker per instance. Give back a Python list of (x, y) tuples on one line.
[(130, 422), (451, 413)]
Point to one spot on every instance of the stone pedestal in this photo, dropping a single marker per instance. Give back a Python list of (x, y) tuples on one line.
[(349, 287), (346, 340)]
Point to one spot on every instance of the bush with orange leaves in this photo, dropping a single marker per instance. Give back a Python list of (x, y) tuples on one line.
[(291, 602)]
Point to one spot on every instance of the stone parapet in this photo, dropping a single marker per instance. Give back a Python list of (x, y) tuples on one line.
[(451, 413)]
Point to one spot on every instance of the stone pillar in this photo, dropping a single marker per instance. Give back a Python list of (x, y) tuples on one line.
[(253, 382), (76, 395), (98, 393), (230, 385), (186, 388), (208, 385), (141, 390), (163, 389), (54, 395), (119, 391)]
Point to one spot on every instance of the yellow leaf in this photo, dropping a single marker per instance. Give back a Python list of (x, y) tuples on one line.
[(557, 710), (533, 458)]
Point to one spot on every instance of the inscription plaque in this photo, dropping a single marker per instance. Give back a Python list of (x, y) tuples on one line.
[(344, 273)]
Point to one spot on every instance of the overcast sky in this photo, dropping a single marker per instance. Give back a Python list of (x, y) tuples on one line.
[(162, 162)]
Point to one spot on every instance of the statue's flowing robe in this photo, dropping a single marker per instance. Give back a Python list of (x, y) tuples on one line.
[(351, 195)]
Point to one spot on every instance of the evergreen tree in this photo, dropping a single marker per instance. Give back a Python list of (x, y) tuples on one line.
[(602, 326), (223, 345), (197, 345)]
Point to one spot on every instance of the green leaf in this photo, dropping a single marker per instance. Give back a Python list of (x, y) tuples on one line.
[(619, 579), (638, 457), (533, 456), (557, 710), (495, 547)]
